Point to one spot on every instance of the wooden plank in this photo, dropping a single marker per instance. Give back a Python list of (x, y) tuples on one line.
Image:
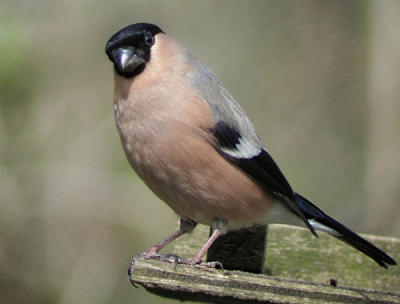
[(298, 269), (222, 286), (293, 252)]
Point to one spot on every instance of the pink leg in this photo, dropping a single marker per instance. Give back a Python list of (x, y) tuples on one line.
[(199, 255), (185, 226)]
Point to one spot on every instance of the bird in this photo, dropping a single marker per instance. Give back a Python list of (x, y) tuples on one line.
[(194, 146)]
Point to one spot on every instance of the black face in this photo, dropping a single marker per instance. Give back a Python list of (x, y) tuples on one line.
[(129, 48)]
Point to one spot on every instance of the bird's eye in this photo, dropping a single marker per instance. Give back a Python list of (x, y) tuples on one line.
[(149, 40)]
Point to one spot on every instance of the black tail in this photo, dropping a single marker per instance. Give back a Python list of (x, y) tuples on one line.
[(321, 221)]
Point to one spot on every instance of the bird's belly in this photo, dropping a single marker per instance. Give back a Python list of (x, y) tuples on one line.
[(197, 182)]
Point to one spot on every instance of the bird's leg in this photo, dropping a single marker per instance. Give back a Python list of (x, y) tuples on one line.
[(219, 228), (186, 225)]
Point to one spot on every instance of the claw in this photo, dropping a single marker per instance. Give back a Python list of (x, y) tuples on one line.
[(174, 260), (200, 264), (216, 265), (169, 258), (213, 265)]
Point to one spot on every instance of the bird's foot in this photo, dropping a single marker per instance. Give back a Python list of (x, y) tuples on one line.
[(169, 258), (200, 264), (174, 260)]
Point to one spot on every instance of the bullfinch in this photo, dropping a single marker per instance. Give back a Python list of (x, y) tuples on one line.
[(196, 149)]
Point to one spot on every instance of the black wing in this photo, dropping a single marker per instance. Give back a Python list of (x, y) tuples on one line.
[(258, 164)]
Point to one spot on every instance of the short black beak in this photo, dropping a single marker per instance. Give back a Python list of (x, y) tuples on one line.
[(126, 60)]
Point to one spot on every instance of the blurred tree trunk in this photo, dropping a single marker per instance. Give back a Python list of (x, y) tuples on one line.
[(383, 140)]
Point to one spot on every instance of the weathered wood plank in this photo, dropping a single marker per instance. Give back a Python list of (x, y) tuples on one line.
[(222, 286), (299, 268), (293, 252)]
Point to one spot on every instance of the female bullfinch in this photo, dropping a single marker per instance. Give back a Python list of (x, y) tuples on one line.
[(196, 149)]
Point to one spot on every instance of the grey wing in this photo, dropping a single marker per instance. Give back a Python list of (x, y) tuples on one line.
[(225, 109), (238, 140)]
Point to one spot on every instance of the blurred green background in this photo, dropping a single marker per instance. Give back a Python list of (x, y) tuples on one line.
[(319, 79)]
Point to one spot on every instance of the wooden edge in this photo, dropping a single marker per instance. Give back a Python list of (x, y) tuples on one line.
[(199, 283)]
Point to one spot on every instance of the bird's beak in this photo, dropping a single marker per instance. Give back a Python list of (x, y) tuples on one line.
[(127, 60)]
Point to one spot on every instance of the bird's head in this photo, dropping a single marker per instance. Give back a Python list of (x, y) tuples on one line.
[(130, 48)]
